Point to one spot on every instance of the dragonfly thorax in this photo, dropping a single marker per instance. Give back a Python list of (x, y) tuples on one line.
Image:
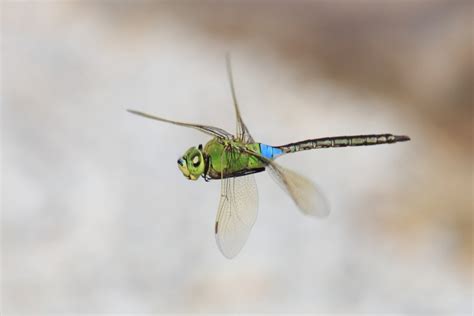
[(192, 164)]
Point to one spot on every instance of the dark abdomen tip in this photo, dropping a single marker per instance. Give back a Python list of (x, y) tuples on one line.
[(402, 138)]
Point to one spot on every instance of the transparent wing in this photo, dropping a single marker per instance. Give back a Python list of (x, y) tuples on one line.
[(210, 130), (237, 213), (242, 132), (303, 191)]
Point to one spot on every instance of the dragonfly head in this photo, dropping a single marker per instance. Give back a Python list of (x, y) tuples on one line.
[(192, 164)]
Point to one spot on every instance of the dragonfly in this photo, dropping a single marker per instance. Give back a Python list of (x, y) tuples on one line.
[(234, 159)]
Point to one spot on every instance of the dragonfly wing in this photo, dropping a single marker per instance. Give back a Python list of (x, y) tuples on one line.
[(237, 213), (242, 130), (303, 191), (210, 130)]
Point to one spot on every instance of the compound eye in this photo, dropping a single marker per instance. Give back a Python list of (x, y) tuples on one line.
[(196, 160)]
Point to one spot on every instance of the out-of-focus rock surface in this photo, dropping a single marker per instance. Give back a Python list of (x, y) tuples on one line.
[(97, 218)]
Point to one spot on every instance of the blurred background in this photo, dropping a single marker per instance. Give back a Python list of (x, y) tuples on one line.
[(97, 218)]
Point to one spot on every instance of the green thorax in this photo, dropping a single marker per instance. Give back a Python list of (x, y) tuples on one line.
[(227, 158)]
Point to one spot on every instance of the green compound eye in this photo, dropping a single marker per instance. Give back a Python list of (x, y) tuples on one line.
[(196, 160)]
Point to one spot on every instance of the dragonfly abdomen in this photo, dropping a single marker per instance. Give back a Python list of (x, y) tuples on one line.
[(342, 141), (270, 152)]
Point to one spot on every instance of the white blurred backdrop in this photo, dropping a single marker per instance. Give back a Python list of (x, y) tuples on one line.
[(97, 218)]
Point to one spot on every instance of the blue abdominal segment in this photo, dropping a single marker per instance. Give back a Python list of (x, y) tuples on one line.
[(270, 152)]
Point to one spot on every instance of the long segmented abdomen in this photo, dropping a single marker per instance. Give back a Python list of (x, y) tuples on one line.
[(342, 141)]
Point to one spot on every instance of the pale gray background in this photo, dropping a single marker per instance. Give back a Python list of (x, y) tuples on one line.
[(97, 218)]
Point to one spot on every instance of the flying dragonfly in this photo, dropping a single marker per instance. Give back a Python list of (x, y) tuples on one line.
[(234, 159)]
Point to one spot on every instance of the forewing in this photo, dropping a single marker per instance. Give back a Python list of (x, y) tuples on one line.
[(237, 213), (210, 130), (242, 131), (303, 191)]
